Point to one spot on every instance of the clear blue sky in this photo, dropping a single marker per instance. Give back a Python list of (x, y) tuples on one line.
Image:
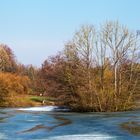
[(36, 29)]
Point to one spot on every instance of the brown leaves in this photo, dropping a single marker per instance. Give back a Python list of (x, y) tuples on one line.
[(11, 85)]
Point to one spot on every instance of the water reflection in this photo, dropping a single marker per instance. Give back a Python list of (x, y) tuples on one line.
[(132, 127), (3, 119), (62, 122), (4, 115)]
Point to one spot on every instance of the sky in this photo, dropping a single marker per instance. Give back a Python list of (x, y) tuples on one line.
[(36, 29)]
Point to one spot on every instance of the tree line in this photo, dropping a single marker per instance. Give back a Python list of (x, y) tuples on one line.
[(98, 70)]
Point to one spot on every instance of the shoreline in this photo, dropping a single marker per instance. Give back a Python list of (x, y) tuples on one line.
[(57, 109)]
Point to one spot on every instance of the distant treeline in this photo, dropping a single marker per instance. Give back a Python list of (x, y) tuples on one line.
[(98, 70)]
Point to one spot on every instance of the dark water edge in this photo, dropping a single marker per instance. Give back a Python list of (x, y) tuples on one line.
[(41, 124)]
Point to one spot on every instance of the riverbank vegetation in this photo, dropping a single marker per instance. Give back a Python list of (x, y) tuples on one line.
[(98, 70)]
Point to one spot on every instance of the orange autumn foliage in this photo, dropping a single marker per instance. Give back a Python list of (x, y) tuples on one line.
[(11, 86)]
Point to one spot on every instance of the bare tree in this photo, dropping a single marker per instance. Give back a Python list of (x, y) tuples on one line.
[(101, 67), (120, 43)]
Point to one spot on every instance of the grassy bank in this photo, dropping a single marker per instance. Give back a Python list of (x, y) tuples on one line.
[(40, 100), (27, 101)]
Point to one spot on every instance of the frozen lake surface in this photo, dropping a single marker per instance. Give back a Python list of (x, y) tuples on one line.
[(53, 123)]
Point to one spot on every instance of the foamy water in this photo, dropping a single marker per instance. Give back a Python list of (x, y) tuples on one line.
[(84, 137), (3, 136), (43, 108)]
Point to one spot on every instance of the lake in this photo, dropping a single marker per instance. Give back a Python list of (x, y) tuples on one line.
[(51, 123)]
